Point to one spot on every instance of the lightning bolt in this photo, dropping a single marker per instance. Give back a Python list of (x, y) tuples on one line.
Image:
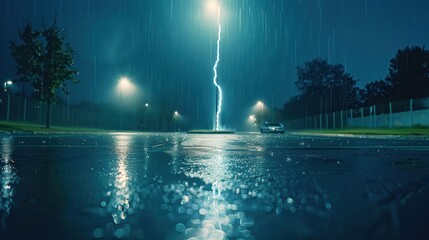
[(219, 89)]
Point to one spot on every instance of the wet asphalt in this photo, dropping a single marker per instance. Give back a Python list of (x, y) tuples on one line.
[(237, 186)]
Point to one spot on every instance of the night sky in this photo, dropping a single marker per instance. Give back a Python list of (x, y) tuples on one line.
[(167, 47)]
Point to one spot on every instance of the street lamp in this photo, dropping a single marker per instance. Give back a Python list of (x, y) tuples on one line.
[(145, 117), (124, 84), (8, 98), (6, 84), (175, 117), (261, 104), (252, 118)]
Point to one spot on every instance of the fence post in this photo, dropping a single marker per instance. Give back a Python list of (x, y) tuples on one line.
[(411, 112), (375, 117), (351, 118), (306, 122), (68, 108), (333, 119), (390, 115), (320, 121), (361, 116), (327, 120), (39, 107), (370, 117), (315, 122), (25, 109), (342, 123)]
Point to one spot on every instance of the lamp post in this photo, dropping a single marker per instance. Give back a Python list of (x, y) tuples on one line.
[(6, 84), (124, 84), (175, 116), (146, 105), (8, 98), (252, 120), (261, 104)]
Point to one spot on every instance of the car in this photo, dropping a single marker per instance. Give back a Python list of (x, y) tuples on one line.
[(272, 127)]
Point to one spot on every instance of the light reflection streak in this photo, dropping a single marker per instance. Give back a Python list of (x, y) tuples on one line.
[(123, 198), (175, 156), (216, 220), (209, 211), (9, 179)]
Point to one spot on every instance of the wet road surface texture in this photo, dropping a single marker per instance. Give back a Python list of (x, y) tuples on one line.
[(241, 186)]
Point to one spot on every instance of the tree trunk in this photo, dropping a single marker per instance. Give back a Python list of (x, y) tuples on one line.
[(48, 114), (24, 117), (23, 89)]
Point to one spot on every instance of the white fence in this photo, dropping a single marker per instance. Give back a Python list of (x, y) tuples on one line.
[(397, 114)]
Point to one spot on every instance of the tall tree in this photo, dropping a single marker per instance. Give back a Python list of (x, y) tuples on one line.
[(375, 92), (56, 68), (46, 63), (409, 74), (326, 87), (27, 55)]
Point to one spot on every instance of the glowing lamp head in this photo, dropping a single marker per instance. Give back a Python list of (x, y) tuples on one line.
[(146, 105), (9, 82), (125, 85), (124, 82), (176, 113), (260, 103), (213, 7)]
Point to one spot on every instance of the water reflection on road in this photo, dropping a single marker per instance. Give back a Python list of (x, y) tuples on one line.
[(9, 179), (205, 212), (239, 181), (179, 186), (122, 198)]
